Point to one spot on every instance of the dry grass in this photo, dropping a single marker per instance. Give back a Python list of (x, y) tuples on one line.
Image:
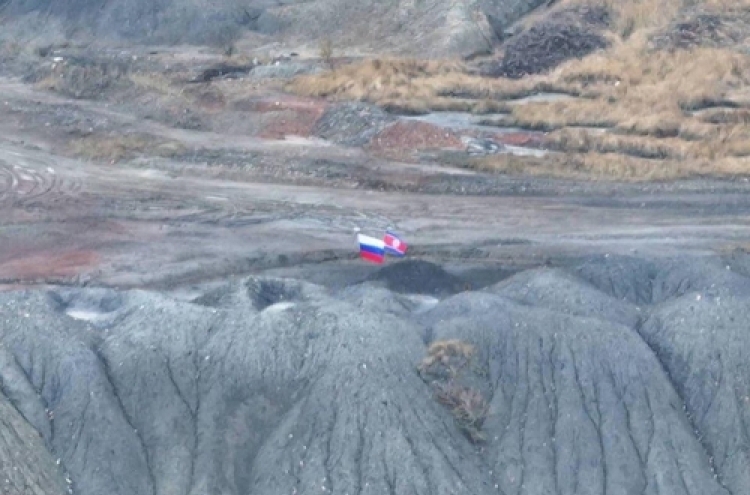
[(467, 405), (609, 166), (447, 357), (158, 83), (667, 113), (113, 149), (415, 86), (649, 100), (443, 368)]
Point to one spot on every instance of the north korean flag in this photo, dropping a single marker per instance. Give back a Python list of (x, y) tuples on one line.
[(394, 245)]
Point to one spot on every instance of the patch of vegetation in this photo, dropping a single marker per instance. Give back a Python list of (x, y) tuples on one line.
[(417, 86), (326, 52), (83, 79), (444, 368), (668, 97), (608, 166), (113, 149)]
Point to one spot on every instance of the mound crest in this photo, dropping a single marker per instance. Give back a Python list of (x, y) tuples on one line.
[(542, 383)]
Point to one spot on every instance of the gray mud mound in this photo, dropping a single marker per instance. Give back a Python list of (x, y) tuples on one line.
[(645, 282), (576, 405), (259, 293), (543, 383), (378, 299), (163, 21), (561, 291), (417, 277), (26, 467), (429, 28), (704, 342), (434, 28), (183, 398)]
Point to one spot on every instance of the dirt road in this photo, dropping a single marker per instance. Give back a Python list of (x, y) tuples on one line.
[(156, 222)]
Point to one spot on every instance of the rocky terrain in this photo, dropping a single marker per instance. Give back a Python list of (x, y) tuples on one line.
[(182, 305), (434, 27), (617, 375)]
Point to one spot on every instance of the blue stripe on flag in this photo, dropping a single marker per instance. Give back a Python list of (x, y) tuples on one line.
[(371, 249)]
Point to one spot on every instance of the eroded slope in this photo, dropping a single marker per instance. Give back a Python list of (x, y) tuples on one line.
[(270, 386)]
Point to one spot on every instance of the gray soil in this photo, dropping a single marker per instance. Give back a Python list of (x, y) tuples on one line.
[(199, 322), (433, 27), (266, 385)]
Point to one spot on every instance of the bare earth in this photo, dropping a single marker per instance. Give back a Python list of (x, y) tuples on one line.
[(169, 223), (548, 349)]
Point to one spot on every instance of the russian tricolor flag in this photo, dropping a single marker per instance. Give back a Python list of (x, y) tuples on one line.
[(393, 244), (371, 249)]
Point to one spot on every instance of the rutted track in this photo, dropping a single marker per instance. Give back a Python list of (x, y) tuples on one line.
[(25, 186), (133, 224)]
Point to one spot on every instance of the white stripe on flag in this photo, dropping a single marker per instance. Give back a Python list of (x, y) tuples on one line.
[(371, 241)]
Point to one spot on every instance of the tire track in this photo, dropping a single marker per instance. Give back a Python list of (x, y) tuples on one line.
[(24, 186)]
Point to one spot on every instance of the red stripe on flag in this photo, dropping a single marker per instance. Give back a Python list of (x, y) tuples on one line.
[(375, 258)]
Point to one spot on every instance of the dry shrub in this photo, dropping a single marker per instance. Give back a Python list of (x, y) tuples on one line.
[(445, 363), (467, 405), (158, 83), (113, 149), (325, 51), (447, 358), (85, 80)]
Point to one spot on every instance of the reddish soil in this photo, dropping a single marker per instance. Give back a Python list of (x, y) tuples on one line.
[(46, 265), (414, 136), (211, 100), (280, 102), (297, 123), (285, 115), (529, 139)]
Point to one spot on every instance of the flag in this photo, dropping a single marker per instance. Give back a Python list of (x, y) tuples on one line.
[(393, 244), (371, 249)]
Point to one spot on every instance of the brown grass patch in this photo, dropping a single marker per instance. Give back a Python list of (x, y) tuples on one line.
[(414, 86), (157, 83), (611, 166), (85, 80), (669, 113), (113, 149), (445, 366)]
